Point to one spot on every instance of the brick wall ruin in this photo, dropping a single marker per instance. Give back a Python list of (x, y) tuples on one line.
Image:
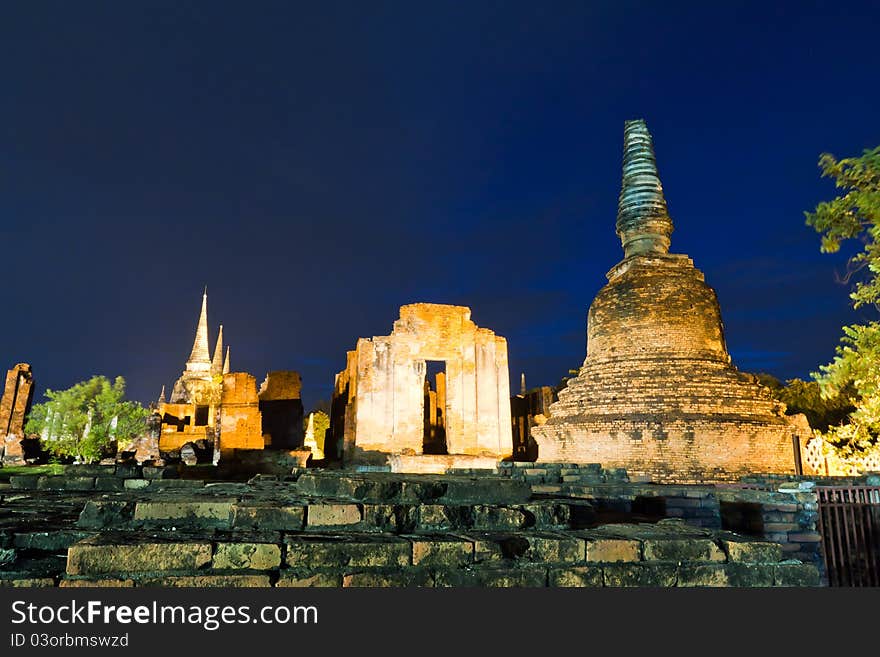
[(379, 399), (18, 394)]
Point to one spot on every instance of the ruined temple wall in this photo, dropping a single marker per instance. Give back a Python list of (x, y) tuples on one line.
[(678, 451), (15, 404), (281, 409), (240, 420), (384, 381)]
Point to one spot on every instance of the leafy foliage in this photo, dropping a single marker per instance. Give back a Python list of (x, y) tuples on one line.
[(84, 421), (855, 214), (806, 397)]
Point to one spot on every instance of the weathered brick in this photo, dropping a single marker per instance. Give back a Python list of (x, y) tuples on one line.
[(26, 582), (681, 550), (332, 515), (752, 551), (387, 579), (325, 579), (612, 550), (282, 518), (795, 574), (750, 575), (96, 583), (441, 551), (182, 511), (360, 551), (209, 581), (247, 556), (93, 556), (625, 574), (693, 575), (576, 576)]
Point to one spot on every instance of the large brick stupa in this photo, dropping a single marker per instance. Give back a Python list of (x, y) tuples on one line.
[(657, 393)]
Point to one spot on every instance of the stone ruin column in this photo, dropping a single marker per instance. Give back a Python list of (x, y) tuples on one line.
[(14, 407)]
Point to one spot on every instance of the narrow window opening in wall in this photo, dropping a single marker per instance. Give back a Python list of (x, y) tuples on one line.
[(201, 416), (434, 441)]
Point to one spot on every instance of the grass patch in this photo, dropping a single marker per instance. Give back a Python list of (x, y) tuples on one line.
[(12, 470)]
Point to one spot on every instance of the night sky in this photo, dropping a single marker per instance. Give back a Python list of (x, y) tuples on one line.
[(319, 165)]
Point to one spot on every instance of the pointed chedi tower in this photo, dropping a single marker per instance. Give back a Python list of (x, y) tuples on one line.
[(217, 361), (196, 380), (657, 393), (226, 362), (200, 359)]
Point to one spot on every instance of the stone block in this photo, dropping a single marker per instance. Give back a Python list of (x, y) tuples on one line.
[(159, 472), (281, 518), (542, 547), (96, 583), (433, 517), (385, 517), (129, 471), (24, 482), (122, 554), (332, 515), (384, 579), (100, 514), (136, 484), (49, 541), (576, 576), (65, 482), (691, 549), (210, 513), (247, 556), (446, 551), (740, 551), (323, 579), (531, 577), (26, 582), (693, 575), (750, 575), (486, 517), (164, 484), (487, 548), (629, 575), (778, 527), (795, 574), (109, 483), (612, 550), (547, 489), (208, 581), (310, 551)]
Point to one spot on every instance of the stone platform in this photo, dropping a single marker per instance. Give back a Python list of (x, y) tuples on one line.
[(334, 528)]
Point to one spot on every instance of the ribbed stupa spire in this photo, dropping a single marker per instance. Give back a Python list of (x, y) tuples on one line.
[(217, 361), (200, 358), (643, 222)]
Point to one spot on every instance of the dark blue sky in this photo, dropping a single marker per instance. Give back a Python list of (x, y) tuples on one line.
[(318, 165)]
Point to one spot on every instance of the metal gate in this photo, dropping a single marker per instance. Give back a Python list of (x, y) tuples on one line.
[(849, 522)]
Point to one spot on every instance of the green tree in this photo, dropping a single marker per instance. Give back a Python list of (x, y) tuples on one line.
[(854, 214), (822, 411), (86, 420)]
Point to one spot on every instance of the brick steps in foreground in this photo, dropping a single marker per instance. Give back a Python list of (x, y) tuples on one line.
[(667, 554), (380, 529)]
